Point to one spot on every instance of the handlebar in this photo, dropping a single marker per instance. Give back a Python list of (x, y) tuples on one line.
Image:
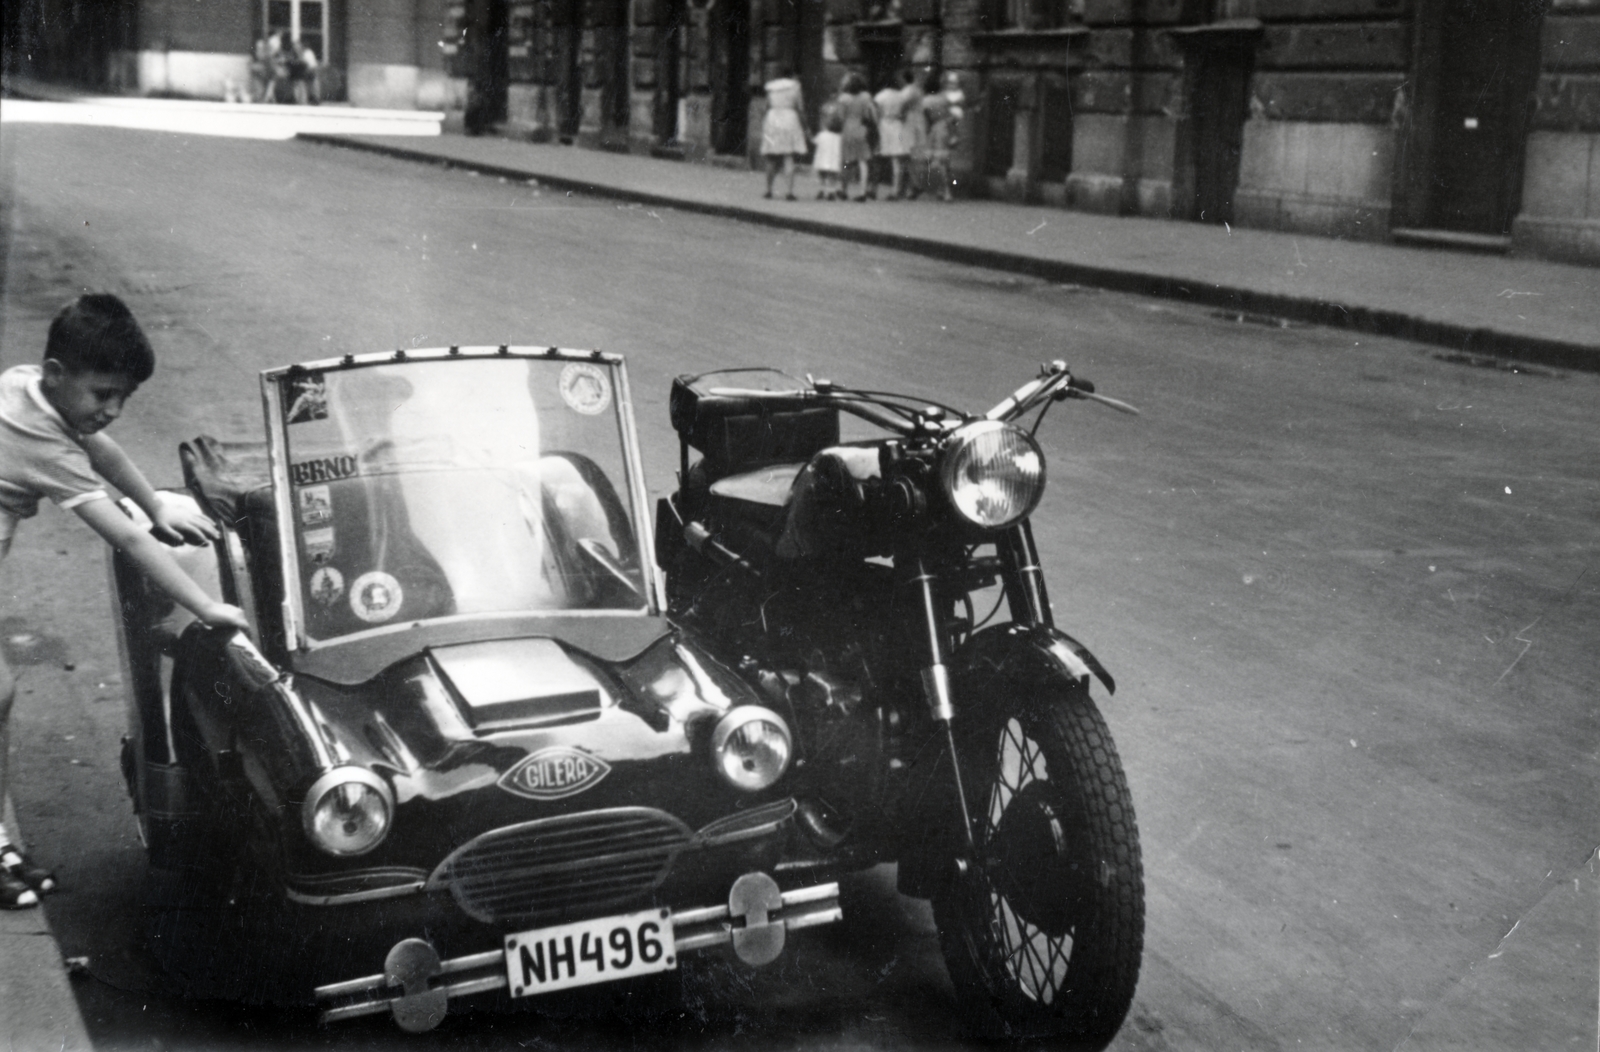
[(249, 662), (1054, 381)]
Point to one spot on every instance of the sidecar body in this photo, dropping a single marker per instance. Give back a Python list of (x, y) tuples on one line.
[(461, 752)]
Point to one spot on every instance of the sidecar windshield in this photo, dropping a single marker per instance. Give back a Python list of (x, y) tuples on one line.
[(427, 489)]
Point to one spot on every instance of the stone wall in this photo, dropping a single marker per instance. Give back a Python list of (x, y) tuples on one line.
[(1125, 104), (1560, 215), (1328, 88), (392, 57)]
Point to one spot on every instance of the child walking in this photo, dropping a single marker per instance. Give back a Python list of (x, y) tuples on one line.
[(828, 159), (52, 444)]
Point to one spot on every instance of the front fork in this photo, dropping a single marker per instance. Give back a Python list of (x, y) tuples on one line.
[(1029, 603)]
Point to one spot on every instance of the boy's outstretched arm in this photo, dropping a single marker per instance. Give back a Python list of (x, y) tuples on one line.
[(174, 525), (109, 521)]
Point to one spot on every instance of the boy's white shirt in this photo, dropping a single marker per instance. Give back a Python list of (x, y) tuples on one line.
[(34, 390)]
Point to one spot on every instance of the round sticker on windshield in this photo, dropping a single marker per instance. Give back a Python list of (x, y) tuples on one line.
[(376, 596), (327, 585), (586, 388)]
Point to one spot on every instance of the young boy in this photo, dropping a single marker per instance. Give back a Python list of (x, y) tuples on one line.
[(51, 445)]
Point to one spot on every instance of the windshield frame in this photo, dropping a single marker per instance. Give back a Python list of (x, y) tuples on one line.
[(293, 610)]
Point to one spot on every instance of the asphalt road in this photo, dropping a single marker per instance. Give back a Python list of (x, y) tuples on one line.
[(1349, 590)]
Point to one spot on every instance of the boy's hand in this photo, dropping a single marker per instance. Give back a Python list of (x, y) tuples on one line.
[(180, 525), (222, 615)]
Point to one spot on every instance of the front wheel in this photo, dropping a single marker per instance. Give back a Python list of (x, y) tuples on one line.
[(1043, 929)]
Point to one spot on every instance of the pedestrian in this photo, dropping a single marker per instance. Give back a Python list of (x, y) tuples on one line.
[(859, 122), (783, 130), (306, 75), (916, 135), (279, 60), (261, 71), (268, 68), (52, 444), (943, 112), (829, 144), (892, 146)]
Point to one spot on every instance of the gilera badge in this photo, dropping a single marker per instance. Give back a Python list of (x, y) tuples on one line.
[(554, 773)]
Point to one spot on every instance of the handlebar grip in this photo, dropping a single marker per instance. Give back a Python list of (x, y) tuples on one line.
[(1078, 383), (249, 662)]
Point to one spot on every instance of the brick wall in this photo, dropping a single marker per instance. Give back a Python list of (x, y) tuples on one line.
[(198, 25)]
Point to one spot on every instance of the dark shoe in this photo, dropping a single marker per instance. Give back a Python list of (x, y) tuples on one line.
[(20, 867), (788, 197), (822, 195), (14, 894), (768, 195)]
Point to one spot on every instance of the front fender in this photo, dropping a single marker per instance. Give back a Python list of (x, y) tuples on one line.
[(1028, 654), (1019, 655)]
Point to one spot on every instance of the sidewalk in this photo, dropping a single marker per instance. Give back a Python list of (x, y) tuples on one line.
[(37, 1007), (30, 101), (1483, 305)]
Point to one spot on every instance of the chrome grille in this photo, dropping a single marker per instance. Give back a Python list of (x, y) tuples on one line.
[(587, 861)]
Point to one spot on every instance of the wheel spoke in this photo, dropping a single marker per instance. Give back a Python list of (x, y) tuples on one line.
[(1038, 963)]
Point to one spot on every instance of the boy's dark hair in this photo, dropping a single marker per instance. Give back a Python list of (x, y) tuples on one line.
[(98, 332)]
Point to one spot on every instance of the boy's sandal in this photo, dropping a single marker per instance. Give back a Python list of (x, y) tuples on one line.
[(19, 867), (14, 894)]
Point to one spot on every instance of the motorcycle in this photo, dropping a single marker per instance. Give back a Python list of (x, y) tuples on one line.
[(843, 579)]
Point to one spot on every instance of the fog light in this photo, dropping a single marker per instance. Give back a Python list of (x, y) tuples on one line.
[(751, 747), (347, 811)]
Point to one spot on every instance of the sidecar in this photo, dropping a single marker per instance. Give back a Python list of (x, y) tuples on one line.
[(461, 752)]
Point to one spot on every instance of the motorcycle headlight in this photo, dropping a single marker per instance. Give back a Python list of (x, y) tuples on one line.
[(750, 747), (993, 474), (347, 811)]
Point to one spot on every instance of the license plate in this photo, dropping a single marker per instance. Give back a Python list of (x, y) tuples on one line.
[(594, 951)]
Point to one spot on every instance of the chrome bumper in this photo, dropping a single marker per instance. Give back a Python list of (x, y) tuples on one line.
[(416, 985)]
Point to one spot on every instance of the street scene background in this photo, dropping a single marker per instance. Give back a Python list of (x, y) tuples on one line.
[(1346, 586)]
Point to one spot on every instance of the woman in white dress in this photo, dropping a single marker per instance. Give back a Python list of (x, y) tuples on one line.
[(783, 130), (893, 141)]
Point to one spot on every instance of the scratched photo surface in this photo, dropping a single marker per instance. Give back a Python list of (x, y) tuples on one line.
[(1342, 567)]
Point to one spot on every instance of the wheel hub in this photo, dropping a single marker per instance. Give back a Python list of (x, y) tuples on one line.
[(1039, 860)]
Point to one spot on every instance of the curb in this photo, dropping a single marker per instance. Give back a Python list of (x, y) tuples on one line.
[(38, 1009), (1463, 339)]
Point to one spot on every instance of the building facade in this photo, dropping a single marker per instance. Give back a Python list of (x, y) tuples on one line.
[(1468, 122), (380, 53)]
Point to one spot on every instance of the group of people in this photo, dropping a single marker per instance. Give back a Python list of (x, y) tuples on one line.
[(901, 137), (283, 69)]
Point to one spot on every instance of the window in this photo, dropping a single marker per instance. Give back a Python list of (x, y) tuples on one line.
[(304, 20)]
